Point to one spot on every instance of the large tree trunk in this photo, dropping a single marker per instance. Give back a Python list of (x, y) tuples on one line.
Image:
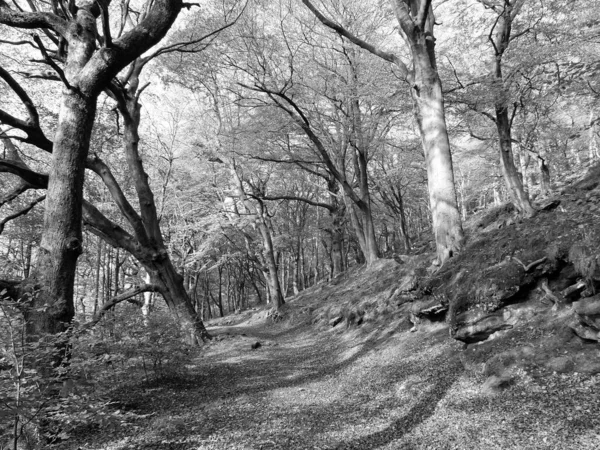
[(431, 121), (415, 19), (52, 306), (88, 70)]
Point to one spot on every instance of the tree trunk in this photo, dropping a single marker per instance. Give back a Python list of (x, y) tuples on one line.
[(170, 285), (429, 112), (275, 292), (52, 306), (431, 121), (512, 178)]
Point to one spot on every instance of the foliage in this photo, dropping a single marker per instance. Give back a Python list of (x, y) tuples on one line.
[(41, 407)]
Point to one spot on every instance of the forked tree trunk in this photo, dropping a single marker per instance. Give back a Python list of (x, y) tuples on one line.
[(512, 178), (88, 70)]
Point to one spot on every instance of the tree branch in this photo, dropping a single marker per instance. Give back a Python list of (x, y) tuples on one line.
[(106, 63), (423, 13), (178, 46), (115, 301), (390, 57), (31, 20), (300, 199), (22, 187), (34, 117), (102, 170), (112, 233), (51, 62), (105, 23), (20, 213), (37, 180)]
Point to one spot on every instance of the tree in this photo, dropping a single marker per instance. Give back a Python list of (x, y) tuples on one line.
[(89, 69), (500, 37), (416, 21)]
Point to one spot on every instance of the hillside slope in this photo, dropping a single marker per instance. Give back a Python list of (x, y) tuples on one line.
[(497, 349)]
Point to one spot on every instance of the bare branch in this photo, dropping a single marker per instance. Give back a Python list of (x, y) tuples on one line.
[(20, 213), (31, 20), (34, 117), (390, 57), (37, 180), (180, 46), (529, 266), (110, 232), (9, 197), (299, 199), (423, 13), (98, 166), (51, 62), (115, 301), (105, 23)]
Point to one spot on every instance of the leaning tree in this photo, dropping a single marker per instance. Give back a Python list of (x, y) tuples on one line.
[(87, 62)]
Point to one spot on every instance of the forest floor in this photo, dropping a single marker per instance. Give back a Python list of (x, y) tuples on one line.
[(346, 369), (381, 387)]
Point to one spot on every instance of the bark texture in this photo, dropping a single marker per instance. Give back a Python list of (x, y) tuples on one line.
[(87, 71)]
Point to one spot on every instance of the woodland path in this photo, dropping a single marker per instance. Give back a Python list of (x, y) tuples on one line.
[(338, 389)]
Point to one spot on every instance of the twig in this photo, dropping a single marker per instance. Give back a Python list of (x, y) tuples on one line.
[(51, 62)]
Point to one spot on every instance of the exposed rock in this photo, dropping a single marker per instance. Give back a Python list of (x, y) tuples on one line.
[(336, 320), (409, 282), (256, 345), (495, 384), (433, 313), (572, 292), (475, 329), (588, 306), (548, 204), (586, 333)]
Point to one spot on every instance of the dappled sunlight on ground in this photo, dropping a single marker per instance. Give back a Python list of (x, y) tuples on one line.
[(377, 386)]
